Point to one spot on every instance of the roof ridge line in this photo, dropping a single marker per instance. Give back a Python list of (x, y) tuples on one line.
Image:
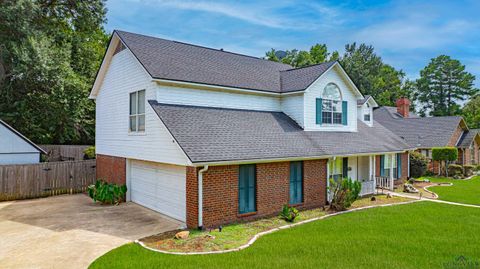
[(307, 66), (203, 47)]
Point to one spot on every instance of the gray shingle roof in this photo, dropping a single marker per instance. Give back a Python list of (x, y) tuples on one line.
[(362, 101), (419, 132), (219, 134), (300, 78), (468, 137), (177, 61)]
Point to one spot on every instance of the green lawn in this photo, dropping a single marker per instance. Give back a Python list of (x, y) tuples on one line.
[(418, 235), (462, 191)]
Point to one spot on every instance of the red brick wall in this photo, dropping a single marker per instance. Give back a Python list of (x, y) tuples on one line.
[(111, 169), (192, 197), (220, 191), (456, 135), (476, 152)]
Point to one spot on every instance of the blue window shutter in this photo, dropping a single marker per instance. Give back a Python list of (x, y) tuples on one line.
[(296, 183), (382, 164), (246, 189), (344, 113), (399, 165), (345, 168), (319, 111)]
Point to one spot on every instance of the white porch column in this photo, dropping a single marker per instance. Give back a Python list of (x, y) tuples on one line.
[(370, 176), (392, 156)]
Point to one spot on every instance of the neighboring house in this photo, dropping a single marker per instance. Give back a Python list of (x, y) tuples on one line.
[(210, 137), (16, 148), (425, 133), (469, 147)]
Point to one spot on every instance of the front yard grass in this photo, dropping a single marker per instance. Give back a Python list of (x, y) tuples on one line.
[(462, 191), (236, 235), (417, 235)]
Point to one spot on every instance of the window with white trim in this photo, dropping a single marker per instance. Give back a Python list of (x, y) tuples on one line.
[(331, 104), (137, 111), (366, 116)]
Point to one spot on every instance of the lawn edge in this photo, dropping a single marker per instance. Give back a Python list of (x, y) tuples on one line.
[(257, 236), (445, 184)]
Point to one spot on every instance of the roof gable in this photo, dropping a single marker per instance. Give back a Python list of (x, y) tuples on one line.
[(185, 63), (17, 134)]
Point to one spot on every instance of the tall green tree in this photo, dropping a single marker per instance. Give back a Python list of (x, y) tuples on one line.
[(442, 85), (49, 53), (471, 112), (317, 54)]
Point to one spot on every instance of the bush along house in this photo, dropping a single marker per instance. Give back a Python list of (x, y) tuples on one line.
[(211, 137), (430, 132)]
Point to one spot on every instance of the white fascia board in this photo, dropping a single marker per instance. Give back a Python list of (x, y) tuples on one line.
[(218, 163)]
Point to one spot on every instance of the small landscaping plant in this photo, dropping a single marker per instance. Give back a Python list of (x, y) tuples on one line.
[(107, 193), (468, 170), (89, 153), (455, 170), (289, 213), (345, 191), (418, 165)]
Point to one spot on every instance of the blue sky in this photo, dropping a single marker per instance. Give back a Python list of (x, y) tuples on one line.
[(406, 34)]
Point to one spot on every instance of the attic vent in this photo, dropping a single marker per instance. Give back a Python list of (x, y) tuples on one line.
[(119, 48)]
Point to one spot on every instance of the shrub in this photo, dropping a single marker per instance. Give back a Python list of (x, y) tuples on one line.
[(468, 170), (418, 164), (89, 153), (455, 170), (429, 173), (289, 213), (107, 192), (444, 154), (345, 192), (477, 168)]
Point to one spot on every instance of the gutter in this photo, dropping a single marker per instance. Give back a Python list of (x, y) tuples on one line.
[(216, 163), (200, 196)]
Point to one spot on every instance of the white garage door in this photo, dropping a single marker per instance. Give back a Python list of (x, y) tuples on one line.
[(160, 187)]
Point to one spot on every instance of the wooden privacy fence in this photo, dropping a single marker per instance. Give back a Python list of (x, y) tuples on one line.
[(57, 153), (45, 179)]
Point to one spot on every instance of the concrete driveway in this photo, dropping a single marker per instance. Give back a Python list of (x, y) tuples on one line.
[(70, 231)]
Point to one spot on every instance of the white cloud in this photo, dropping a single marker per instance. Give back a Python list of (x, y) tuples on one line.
[(259, 13)]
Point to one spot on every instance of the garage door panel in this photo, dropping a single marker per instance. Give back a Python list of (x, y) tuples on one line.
[(160, 187)]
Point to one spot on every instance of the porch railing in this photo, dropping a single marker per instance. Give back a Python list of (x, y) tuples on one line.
[(384, 183), (368, 187)]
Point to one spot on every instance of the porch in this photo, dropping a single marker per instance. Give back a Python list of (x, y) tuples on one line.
[(364, 169)]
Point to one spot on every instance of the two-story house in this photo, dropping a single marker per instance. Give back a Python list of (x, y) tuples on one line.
[(210, 137)]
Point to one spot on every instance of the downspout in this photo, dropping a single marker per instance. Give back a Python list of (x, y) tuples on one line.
[(200, 196)]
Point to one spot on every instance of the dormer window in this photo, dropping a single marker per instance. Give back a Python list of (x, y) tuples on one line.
[(330, 108), (366, 116)]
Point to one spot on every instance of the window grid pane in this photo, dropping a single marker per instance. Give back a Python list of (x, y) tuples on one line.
[(133, 123), (133, 103), (141, 102), (141, 122), (337, 118)]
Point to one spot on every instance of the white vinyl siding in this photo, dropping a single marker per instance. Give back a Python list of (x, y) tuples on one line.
[(160, 187), (15, 150), (216, 98), (316, 90), (126, 75), (292, 105)]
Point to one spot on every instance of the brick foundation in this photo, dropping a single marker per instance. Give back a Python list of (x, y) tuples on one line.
[(111, 169), (220, 191)]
